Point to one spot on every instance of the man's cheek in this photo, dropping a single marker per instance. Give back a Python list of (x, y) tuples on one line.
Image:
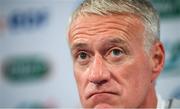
[(80, 82)]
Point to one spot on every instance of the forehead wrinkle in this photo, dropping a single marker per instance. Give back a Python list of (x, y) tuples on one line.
[(79, 33), (94, 26), (101, 26), (105, 26)]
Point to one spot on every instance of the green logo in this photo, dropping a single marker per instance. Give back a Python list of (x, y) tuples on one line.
[(25, 68)]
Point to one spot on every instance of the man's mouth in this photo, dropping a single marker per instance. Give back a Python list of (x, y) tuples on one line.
[(101, 93)]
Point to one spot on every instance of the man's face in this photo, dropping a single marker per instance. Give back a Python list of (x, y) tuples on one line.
[(111, 66)]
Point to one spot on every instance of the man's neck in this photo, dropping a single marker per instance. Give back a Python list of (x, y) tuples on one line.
[(150, 100)]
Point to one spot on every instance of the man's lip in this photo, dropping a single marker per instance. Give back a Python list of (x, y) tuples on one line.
[(103, 92)]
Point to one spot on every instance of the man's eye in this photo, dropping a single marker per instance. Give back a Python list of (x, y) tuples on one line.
[(116, 52), (82, 58), (83, 55)]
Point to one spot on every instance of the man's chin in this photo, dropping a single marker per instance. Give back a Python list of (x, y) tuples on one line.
[(103, 106)]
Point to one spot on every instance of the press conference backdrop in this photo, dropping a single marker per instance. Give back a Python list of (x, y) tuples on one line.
[(35, 62)]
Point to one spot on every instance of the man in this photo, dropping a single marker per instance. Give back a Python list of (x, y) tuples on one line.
[(117, 53)]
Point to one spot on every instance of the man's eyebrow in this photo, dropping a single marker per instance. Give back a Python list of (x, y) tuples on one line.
[(115, 41), (106, 43), (78, 45)]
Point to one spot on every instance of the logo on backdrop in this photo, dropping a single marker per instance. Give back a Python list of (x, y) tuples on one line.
[(24, 20), (25, 68), (27, 20)]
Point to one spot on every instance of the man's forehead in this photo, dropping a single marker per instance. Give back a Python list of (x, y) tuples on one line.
[(127, 24), (90, 20)]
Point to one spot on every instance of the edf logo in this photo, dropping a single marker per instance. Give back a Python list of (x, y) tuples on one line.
[(27, 19)]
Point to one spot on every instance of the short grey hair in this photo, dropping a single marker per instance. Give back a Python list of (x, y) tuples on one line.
[(141, 8)]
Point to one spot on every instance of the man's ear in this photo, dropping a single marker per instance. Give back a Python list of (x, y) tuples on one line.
[(158, 58)]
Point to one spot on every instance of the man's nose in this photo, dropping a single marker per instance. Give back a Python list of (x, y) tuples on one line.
[(99, 73)]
